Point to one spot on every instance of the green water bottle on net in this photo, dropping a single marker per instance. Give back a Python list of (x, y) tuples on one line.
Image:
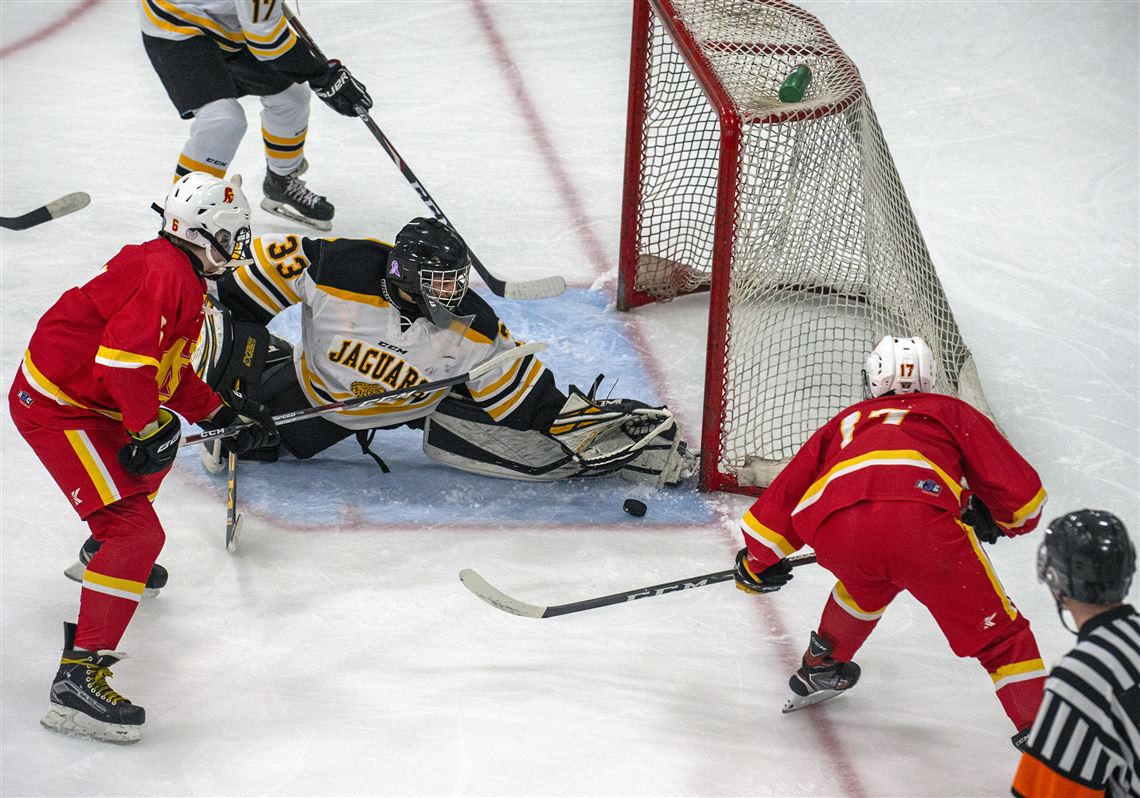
[(795, 85)]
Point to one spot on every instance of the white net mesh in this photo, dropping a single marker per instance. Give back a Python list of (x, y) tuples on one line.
[(825, 256)]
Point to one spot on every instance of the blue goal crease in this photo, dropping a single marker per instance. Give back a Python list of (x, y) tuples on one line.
[(585, 337)]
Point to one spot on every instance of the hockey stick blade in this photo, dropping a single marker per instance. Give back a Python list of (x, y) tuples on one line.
[(69, 203), (292, 416), (233, 532), (500, 600), (541, 288)]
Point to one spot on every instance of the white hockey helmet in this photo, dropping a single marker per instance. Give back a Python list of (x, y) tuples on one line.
[(899, 365), (213, 214)]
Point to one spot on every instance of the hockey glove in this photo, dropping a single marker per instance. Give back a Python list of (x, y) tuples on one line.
[(768, 580), (153, 448), (237, 408), (977, 516), (340, 90), (605, 434)]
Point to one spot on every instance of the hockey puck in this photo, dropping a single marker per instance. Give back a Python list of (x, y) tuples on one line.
[(634, 507)]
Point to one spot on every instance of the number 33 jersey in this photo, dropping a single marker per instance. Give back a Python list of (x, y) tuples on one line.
[(355, 341)]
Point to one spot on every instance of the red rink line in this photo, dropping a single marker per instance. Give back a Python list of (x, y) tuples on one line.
[(602, 261), (70, 16), (830, 742)]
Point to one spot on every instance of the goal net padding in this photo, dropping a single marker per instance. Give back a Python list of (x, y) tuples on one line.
[(791, 215)]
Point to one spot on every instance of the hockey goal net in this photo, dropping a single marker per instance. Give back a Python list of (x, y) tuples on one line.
[(791, 215)]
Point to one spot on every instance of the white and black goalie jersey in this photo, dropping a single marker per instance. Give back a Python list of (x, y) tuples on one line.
[(1087, 733), (356, 342)]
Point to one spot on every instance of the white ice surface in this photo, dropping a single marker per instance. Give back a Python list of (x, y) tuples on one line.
[(336, 652)]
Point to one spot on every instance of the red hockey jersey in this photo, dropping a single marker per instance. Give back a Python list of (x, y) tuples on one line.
[(119, 346), (914, 447)]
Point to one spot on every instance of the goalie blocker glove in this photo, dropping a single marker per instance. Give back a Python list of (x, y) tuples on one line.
[(605, 434), (238, 408), (340, 91), (154, 447)]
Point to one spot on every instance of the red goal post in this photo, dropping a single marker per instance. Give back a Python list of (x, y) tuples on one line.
[(790, 215)]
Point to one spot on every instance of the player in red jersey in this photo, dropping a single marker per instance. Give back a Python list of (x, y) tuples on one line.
[(878, 493), (94, 395)]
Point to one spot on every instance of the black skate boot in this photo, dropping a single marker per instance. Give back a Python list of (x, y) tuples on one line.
[(83, 704), (154, 583), (289, 197), (820, 677)]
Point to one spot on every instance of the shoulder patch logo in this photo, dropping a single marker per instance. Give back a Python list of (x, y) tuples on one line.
[(25, 398)]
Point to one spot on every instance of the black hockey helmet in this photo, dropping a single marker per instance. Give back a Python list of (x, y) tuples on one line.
[(1087, 556), (431, 263)]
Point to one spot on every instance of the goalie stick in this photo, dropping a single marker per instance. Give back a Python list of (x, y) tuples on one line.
[(424, 387), (541, 288), (69, 203), (500, 600)]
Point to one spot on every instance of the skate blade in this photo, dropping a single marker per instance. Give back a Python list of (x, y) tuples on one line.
[(798, 702), (74, 723), (75, 573), (286, 212)]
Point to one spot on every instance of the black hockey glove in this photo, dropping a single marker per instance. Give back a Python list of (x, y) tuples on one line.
[(238, 408), (153, 448), (340, 90), (769, 580), (976, 515)]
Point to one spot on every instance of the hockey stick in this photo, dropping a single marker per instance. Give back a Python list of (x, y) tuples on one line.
[(233, 517), (541, 288), (500, 600), (292, 416), (69, 203)]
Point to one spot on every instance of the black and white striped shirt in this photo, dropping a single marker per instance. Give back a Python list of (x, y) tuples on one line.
[(1088, 728)]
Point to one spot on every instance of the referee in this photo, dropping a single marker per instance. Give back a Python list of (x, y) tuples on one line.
[(1087, 733)]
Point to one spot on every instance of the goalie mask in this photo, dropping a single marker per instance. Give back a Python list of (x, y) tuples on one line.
[(431, 263), (213, 214), (898, 365)]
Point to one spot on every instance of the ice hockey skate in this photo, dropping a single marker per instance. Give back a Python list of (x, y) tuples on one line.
[(154, 583), (289, 197), (83, 704), (820, 678)]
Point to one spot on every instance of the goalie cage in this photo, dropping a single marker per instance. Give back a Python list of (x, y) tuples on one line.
[(791, 215)]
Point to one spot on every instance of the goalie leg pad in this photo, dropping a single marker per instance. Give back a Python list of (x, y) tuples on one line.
[(462, 436)]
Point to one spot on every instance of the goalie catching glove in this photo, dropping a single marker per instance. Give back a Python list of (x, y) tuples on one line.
[(604, 434), (239, 409)]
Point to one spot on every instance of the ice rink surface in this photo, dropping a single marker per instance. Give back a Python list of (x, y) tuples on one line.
[(336, 652)]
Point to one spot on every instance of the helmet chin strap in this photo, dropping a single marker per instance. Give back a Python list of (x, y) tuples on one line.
[(1061, 614)]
